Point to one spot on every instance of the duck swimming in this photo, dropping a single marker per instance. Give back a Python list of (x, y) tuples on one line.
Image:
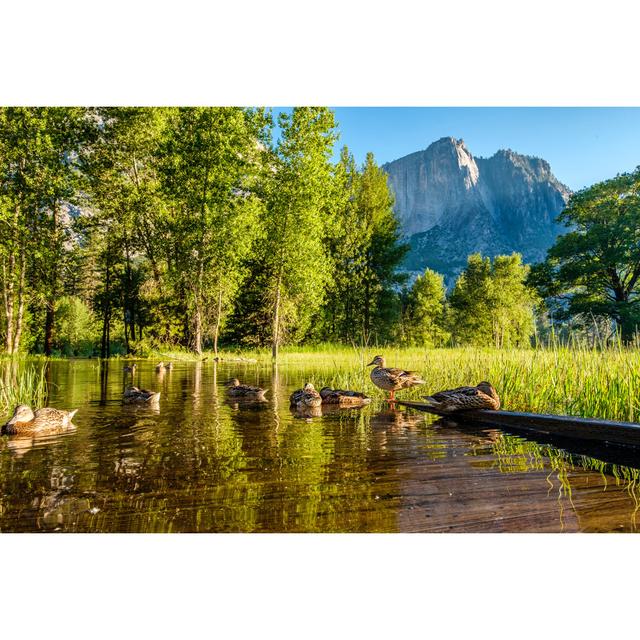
[(483, 396), (130, 368), (391, 379), (343, 398), (133, 395), (237, 390), (46, 420), (305, 397), (160, 367)]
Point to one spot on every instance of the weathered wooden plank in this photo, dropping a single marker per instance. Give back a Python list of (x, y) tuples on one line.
[(605, 431)]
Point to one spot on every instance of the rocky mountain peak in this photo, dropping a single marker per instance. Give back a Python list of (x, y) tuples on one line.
[(451, 204)]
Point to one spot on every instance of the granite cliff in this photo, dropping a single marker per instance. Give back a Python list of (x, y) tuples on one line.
[(451, 204)]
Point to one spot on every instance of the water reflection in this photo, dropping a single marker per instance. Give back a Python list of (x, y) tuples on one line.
[(201, 461)]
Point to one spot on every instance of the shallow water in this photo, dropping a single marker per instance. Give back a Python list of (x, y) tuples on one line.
[(204, 463)]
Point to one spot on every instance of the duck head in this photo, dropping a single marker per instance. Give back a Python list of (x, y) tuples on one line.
[(487, 387), (22, 413), (308, 387), (378, 361), (234, 382)]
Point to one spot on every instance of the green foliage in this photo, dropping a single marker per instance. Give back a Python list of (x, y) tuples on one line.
[(491, 303), (593, 269), (425, 321), (293, 254), (76, 330)]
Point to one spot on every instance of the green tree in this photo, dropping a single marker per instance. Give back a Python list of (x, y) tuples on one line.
[(383, 252), (491, 304), (425, 320), (209, 162), (593, 269), (39, 173), (294, 255)]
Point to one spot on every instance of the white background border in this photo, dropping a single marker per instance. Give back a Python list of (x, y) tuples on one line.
[(546, 52)]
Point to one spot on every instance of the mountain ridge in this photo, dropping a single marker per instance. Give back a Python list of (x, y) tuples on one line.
[(451, 203)]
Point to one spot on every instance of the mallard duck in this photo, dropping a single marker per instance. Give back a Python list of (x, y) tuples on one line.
[(305, 397), (237, 390), (133, 395), (392, 380), (130, 368), (484, 396), (160, 367), (168, 366), (343, 398), (25, 422)]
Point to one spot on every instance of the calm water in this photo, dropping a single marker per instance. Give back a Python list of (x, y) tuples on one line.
[(204, 463)]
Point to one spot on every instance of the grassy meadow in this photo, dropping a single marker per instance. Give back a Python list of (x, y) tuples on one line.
[(581, 381), (564, 380)]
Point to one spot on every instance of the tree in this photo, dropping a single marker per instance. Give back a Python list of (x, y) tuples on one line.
[(208, 164), (491, 303), (594, 268), (123, 215), (425, 311), (296, 264), (39, 151), (383, 252)]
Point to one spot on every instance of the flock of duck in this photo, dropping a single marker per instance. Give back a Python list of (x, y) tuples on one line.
[(483, 396)]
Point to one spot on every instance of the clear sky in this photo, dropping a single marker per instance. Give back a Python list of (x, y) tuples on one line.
[(583, 145)]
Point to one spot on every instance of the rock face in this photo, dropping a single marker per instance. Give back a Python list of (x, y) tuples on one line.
[(451, 204)]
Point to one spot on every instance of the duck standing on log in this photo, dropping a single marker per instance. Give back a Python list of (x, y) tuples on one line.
[(391, 379), (482, 396)]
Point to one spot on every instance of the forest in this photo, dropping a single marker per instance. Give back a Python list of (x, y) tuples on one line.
[(125, 230)]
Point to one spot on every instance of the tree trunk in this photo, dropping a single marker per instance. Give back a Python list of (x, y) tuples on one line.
[(276, 321), (198, 332), (217, 327), (18, 332), (48, 328)]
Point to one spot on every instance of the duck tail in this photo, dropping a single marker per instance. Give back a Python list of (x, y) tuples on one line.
[(71, 414)]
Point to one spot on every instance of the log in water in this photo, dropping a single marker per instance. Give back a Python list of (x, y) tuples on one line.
[(603, 431)]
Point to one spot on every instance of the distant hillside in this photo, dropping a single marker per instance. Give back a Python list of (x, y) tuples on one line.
[(451, 204)]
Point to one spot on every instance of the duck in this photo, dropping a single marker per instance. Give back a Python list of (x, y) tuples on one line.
[(237, 390), (133, 395), (305, 397), (482, 396), (160, 367), (168, 366), (392, 380), (46, 420), (343, 398), (130, 368)]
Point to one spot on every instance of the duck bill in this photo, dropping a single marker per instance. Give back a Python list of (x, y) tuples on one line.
[(371, 364)]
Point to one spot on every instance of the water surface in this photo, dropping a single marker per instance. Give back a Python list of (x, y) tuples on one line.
[(202, 463)]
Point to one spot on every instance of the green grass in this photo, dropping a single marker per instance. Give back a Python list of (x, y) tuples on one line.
[(574, 381), (21, 385)]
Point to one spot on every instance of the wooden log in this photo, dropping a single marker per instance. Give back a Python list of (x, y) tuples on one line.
[(593, 429)]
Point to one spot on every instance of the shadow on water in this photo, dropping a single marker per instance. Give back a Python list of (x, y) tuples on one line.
[(202, 461)]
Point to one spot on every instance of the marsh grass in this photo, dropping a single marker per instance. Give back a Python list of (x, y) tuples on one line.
[(571, 380), (21, 385)]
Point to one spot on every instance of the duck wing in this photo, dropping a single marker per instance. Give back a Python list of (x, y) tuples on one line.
[(441, 396)]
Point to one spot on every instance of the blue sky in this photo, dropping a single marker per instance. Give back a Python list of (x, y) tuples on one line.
[(582, 144)]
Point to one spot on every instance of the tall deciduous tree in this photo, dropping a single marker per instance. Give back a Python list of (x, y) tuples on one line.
[(209, 166), (294, 254), (594, 269), (425, 322), (491, 303)]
